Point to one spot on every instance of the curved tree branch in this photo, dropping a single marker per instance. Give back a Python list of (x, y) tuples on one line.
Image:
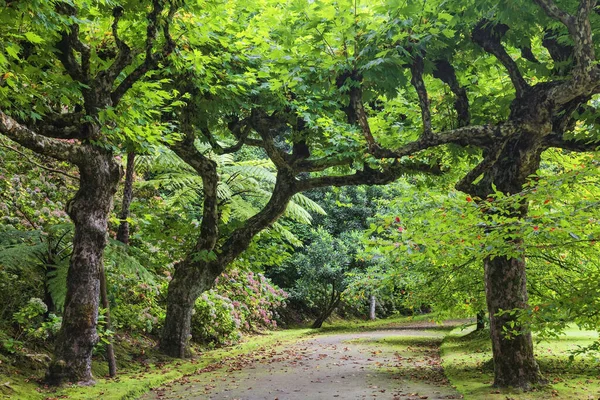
[(207, 169), (40, 144), (153, 58), (489, 36)]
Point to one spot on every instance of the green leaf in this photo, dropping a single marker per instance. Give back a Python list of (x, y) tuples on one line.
[(34, 38), (13, 51)]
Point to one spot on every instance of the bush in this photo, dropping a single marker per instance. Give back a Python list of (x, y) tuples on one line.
[(240, 302)]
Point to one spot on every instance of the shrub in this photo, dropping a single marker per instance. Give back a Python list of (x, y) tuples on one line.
[(240, 302)]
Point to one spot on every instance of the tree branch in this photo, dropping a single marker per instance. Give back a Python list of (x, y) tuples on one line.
[(124, 56), (321, 164), (265, 125), (239, 240), (29, 160), (489, 36), (482, 136), (446, 73), (552, 10), (40, 144), (79, 72), (557, 140), (466, 183), (367, 176), (153, 58), (239, 129), (416, 69), (61, 126), (580, 30), (207, 169), (356, 110)]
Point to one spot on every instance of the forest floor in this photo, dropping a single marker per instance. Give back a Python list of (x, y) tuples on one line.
[(398, 362)]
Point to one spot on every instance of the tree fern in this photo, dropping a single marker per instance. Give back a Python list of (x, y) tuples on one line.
[(244, 187)]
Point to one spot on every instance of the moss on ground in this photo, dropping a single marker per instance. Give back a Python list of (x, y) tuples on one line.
[(466, 358), (141, 368)]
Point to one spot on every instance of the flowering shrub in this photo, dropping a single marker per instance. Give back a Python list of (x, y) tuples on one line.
[(135, 303), (240, 302), (32, 322)]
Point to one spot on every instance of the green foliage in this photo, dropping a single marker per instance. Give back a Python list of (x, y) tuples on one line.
[(32, 321), (240, 302)]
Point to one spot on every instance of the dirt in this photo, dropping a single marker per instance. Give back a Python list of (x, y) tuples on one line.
[(395, 363)]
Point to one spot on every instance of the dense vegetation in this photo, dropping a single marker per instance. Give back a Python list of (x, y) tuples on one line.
[(443, 151)]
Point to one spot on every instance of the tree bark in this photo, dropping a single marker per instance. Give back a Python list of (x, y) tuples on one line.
[(123, 232), (505, 276), (189, 281), (89, 210), (512, 344), (372, 306)]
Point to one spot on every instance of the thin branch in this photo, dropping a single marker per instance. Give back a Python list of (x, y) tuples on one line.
[(356, 111), (124, 56), (367, 176), (69, 43), (557, 140), (265, 125), (466, 183), (29, 160), (321, 164), (153, 58)]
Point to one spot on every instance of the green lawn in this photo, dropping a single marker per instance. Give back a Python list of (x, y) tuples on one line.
[(466, 356)]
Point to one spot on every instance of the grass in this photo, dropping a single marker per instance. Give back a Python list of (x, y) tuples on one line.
[(340, 326), (466, 359)]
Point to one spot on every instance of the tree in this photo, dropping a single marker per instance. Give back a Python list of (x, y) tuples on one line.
[(513, 131), (337, 72), (322, 268), (77, 84)]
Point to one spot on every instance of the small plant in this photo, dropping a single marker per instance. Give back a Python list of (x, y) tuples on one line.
[(33, 323)]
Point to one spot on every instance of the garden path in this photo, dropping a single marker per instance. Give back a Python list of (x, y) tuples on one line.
[(400, 362)]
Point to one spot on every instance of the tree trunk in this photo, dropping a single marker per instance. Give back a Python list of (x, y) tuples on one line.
[(110, 351), (336, 298), (512, 345), (123, 232), (89, 210), (189, 281), (480, 321), (372, 308)]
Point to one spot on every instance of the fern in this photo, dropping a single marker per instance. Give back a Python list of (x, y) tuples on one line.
[(244, 186)]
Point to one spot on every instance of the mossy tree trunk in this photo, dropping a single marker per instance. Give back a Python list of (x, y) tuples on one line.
[(89, 210)]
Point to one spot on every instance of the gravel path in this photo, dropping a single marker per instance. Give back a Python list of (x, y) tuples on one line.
[(395, 363)]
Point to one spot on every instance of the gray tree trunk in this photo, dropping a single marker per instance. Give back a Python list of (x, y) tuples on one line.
[(372, 305)]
